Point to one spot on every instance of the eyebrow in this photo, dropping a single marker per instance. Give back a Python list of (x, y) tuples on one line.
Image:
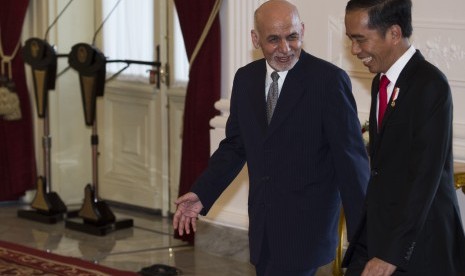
[(291, 34), (355, 35)]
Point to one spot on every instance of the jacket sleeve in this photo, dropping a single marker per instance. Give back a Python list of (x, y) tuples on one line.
[(226, 162), (343, 130)]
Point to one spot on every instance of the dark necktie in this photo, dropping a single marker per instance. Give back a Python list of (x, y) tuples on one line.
[(382, 99), (272, 97)]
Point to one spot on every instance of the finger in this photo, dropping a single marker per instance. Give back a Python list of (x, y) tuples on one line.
[(187, 225), (183, 198), (179, 200), (176, 219), (194, 224), (181, 225)]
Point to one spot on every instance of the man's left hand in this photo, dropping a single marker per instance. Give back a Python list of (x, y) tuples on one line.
[(378, 267)]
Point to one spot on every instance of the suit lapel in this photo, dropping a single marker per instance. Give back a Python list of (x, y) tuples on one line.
[(402, 85), (290, 95)]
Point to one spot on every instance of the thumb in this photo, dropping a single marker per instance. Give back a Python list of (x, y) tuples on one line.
[(184, 198)]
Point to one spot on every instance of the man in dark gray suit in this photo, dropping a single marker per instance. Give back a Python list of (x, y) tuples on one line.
[(411, 225), (302, 158)]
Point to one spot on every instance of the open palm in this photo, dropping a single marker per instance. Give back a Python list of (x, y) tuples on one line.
[(189, 207)]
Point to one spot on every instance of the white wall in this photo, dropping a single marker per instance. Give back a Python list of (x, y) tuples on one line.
[(439, 32)]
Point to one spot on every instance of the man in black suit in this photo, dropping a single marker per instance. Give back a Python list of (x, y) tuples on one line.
[(302, 158), (411, 225)]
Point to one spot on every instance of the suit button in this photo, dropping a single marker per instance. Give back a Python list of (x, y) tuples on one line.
[(266, 178), (374, 173)]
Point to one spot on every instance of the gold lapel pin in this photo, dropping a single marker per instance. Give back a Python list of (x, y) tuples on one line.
[(394, 96)]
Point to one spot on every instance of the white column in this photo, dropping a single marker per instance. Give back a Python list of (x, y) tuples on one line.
[(237, 50)]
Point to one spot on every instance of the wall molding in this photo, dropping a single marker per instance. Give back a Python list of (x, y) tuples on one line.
[(442, 42)]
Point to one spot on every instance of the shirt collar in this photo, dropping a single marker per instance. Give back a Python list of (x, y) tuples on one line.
[(269, 70), (395, 70)]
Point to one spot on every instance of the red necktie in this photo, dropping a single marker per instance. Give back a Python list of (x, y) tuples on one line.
[(382, 99)]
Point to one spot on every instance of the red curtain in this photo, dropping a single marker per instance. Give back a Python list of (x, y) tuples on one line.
[(203, 89), (17, 161)]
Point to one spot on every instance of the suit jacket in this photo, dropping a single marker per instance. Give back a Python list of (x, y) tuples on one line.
[(299, 166), (412, 217)]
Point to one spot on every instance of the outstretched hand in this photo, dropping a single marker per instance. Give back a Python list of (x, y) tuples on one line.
[(189, 207)]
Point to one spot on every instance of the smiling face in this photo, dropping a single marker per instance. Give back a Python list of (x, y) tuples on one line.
[(279, 33), (378, 52)]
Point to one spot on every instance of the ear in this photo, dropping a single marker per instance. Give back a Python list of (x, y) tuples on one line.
[(255, 39), (395, 33), (303, 31)]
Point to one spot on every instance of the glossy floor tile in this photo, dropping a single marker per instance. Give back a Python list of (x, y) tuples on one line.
[(148, 242)]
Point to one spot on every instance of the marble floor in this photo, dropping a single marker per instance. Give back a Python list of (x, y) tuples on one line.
[(148, 242)]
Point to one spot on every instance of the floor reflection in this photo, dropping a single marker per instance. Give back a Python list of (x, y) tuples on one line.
[(149, 242)]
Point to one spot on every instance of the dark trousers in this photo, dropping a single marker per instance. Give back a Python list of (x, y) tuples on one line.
[(266, 268)]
